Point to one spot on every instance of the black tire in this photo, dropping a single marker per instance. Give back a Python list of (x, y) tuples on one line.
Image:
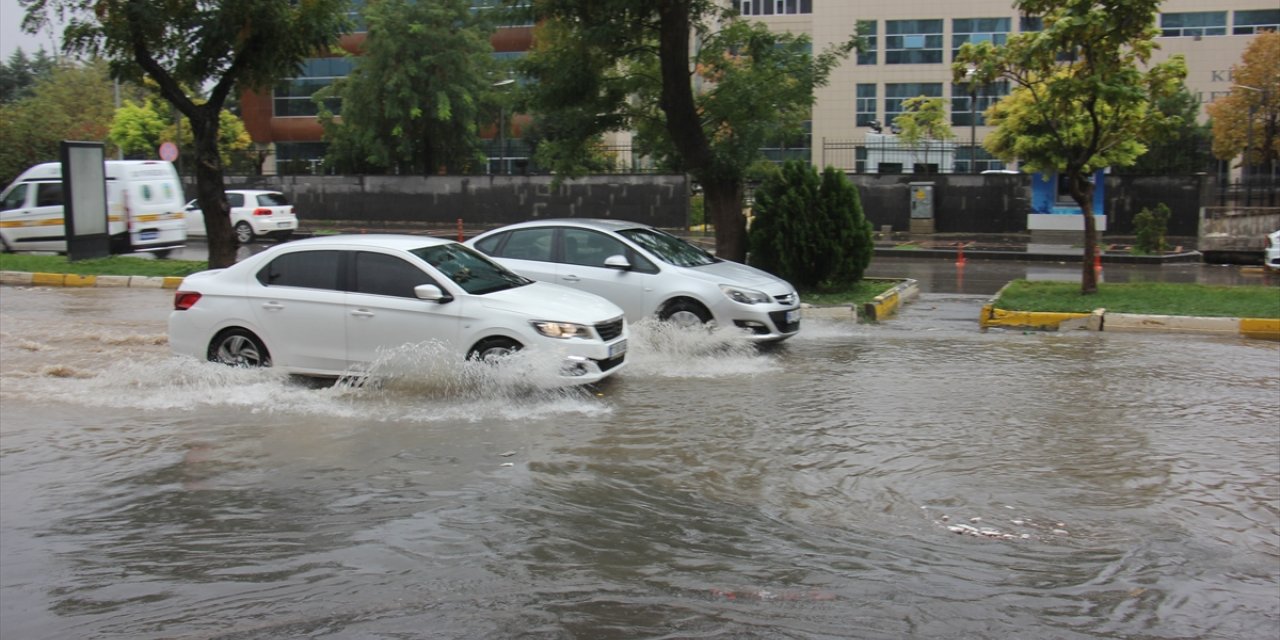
[(685, 313), (161, 254), (493, 348), (244, 233), (238, 348)]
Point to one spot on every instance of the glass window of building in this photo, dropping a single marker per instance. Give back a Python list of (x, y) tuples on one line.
[(963, 113), (867, 31), (1249, 22), (292, 96), (773, 7), (865, 105), (1030, 24), (913, 42), (1198, 23), (895, 93), (993, 30)]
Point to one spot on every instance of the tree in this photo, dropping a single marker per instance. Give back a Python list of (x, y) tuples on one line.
[(1081, 99), (614, 65), (140, 129), (73, 102), (187, 43), (810, 229), (20, 74), (414, 101), (1179, 148), (923, 119), (1252, 108)]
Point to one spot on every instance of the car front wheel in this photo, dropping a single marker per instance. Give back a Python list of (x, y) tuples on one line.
[(492, 349), (244, 233), (685, 313), (238, 348)]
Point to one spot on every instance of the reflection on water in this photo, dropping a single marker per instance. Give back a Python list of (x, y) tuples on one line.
[(912, 479)]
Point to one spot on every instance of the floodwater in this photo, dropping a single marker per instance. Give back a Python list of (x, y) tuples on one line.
[(914, 479)]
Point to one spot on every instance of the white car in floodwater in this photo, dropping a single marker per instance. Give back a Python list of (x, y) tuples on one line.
[(327, 306), (649, 273)]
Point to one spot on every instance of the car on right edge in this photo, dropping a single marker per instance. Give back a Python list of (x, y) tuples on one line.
[(648, 272), (1272, 256)]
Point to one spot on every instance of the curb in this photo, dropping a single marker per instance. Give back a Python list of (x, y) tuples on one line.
[(880, 308), (1100, 320), (25, 279), (886, 304)]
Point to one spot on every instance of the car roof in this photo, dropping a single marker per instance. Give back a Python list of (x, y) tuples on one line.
[(401, 241), (602, 224), (251, 191)]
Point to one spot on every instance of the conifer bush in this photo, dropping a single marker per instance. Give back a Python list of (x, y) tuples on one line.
[(809, 229)]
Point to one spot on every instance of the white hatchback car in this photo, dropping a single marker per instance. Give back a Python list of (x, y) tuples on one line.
[(647, 272), (254, 213), (327, 306)]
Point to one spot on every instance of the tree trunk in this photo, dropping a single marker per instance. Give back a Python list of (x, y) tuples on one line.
[(1082, 192), (210, 189), (723, 199)]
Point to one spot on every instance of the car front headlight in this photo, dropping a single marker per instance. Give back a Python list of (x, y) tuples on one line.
[(563, 330), (745, 296)]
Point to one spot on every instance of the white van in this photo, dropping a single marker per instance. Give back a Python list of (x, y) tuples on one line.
[(144, 209)]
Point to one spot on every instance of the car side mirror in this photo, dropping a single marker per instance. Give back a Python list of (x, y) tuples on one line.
[(617, 262), (431, 292)]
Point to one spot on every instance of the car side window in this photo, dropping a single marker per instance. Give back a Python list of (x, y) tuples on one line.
[(529, 244), (490, 244), (383, 275), (49, 194), (590, 248), (308, 269), (15, 199), (235, 199)]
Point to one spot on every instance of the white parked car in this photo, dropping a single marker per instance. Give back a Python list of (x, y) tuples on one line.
[(647, 272), (1272, 256), (254, 214), (326, 306)]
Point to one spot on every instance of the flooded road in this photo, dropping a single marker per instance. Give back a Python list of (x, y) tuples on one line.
[(917, 478)]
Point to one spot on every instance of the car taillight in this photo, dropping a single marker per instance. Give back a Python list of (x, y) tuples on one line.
[(262, 211), (184, 300)]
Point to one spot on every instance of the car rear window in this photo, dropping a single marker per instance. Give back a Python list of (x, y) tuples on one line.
[(272, 200)]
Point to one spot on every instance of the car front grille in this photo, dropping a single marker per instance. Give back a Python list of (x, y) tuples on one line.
[(610, 330)]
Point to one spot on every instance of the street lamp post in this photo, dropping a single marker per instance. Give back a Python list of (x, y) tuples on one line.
[(973, 119)]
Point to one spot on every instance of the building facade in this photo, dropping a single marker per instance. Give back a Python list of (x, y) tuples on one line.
[(912, 44)]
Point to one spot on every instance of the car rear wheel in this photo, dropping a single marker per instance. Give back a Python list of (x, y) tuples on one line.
[(244, 233), (491, 349), (685, 313), (238, 348)]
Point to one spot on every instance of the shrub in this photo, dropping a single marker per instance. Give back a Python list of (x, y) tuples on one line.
[(1150, 227), (810, 229)]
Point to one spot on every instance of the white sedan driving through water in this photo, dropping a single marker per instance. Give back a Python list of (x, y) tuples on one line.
[(328, 306)]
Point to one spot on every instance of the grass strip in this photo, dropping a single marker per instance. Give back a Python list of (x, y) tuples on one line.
[(1150, 298), (858, 293), (109, 266)]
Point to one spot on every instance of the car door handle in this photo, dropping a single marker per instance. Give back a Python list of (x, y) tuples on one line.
[(272, 306), (571, 278), (362, 313)]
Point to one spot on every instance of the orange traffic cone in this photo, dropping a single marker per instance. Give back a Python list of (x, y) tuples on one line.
[(960, 254), (1097, 262)]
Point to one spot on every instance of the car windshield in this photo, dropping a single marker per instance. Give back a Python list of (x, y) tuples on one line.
[(473, 272), (669, 248)]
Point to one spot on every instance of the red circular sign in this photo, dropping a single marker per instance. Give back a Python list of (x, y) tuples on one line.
[(168, 152)]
